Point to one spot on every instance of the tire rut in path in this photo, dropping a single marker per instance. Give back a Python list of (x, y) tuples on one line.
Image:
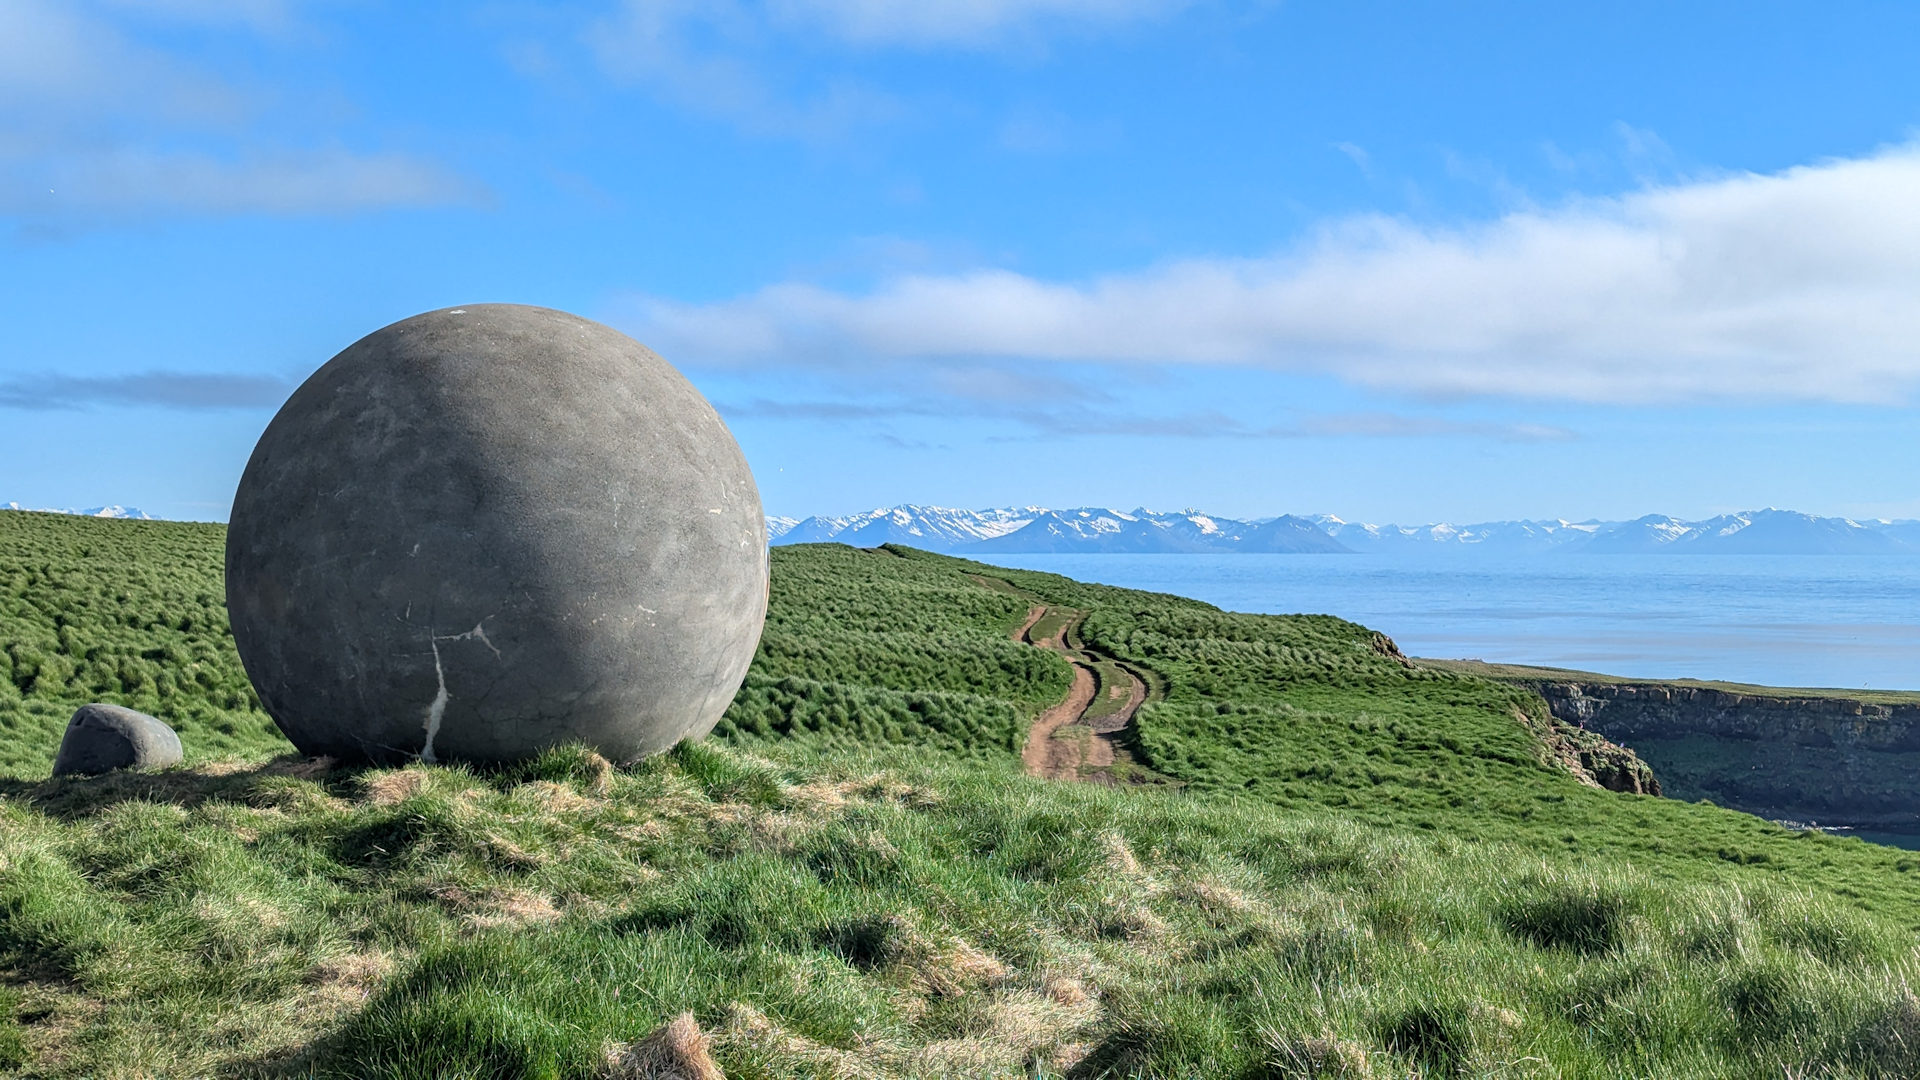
[(1063, 744)]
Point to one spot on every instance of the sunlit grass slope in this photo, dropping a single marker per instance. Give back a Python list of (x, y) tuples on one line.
[(1368, 874), (132, 612)]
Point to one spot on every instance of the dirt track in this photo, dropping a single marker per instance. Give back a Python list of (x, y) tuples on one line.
[(1059, 758), (1062, 744)]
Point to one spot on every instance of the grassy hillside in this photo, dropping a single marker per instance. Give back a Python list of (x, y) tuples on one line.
[(132, 612), (1373, 870), (1304, 712)]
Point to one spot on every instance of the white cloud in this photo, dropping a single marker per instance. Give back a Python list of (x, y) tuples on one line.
[(1796, 285)]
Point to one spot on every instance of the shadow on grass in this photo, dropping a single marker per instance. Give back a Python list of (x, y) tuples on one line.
[(74, 798)]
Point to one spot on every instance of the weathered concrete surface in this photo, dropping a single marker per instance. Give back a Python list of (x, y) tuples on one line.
[(1823, 759), (102, 738), (485, 531)]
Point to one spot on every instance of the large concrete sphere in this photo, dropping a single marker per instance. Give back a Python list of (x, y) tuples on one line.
[(486, 531)]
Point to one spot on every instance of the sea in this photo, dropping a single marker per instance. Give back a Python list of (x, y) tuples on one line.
[(1842, 621)]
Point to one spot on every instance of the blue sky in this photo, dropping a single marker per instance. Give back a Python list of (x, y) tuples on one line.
[(1399, 262)]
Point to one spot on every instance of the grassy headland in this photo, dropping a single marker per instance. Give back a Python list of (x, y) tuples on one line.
[(1372, 869), (1531, 673)]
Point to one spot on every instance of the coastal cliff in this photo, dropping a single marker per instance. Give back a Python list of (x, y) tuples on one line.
[(1587, 755), (1591, 757), (1820, 757)]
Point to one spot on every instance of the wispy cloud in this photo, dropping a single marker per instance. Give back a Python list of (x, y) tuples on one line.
[(97, 121), (1071, 419), (128, 180), (1399, 426), (62, 65), (1793, 285), (152, 389), (699, 56), (721, 58), (768, 409)]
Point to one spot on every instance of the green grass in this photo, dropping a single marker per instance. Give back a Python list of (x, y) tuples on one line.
[(1305, 713), (1052, 624), (1372, 871), (1112, 689), (129, 612)]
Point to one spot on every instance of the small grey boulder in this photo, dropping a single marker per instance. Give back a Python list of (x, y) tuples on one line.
[(101, 738)]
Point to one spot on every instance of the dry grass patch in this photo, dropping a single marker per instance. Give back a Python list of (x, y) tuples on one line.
[(507, 908), (555, 798), (1012, 1033), (390, 788), (749, 1030), (825, 795), (1321, 1057), (240, 915), (600, 773), (347, 980), (724, 813), (504, 852), (677, 1050), (822, 796), (1124, 865), (650, 831), (1133, 922), (1066, 990), (957, 968), (1221, 901), (312, 768)]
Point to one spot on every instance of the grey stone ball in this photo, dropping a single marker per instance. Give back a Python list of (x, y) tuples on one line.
[(486, 531), (101, 738)]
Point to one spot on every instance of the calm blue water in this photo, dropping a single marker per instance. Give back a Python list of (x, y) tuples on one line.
[(1837, 621)]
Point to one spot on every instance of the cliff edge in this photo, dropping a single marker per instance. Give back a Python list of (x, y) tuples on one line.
[(1825, 757)]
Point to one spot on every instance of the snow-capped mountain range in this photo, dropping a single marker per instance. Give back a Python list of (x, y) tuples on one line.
[(133, 512), (1033, 530), (1036, 530)]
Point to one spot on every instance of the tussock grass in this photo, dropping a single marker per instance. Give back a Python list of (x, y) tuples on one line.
[(870, 918), (1373, 870)]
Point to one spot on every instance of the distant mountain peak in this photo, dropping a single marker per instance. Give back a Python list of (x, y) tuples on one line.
[(130, 512), (1091, 529)]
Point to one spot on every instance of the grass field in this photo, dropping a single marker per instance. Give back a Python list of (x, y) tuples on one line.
[(1373, 870)]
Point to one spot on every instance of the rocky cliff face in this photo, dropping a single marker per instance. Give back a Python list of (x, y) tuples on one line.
[(1590, 757), (1825, 760)]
